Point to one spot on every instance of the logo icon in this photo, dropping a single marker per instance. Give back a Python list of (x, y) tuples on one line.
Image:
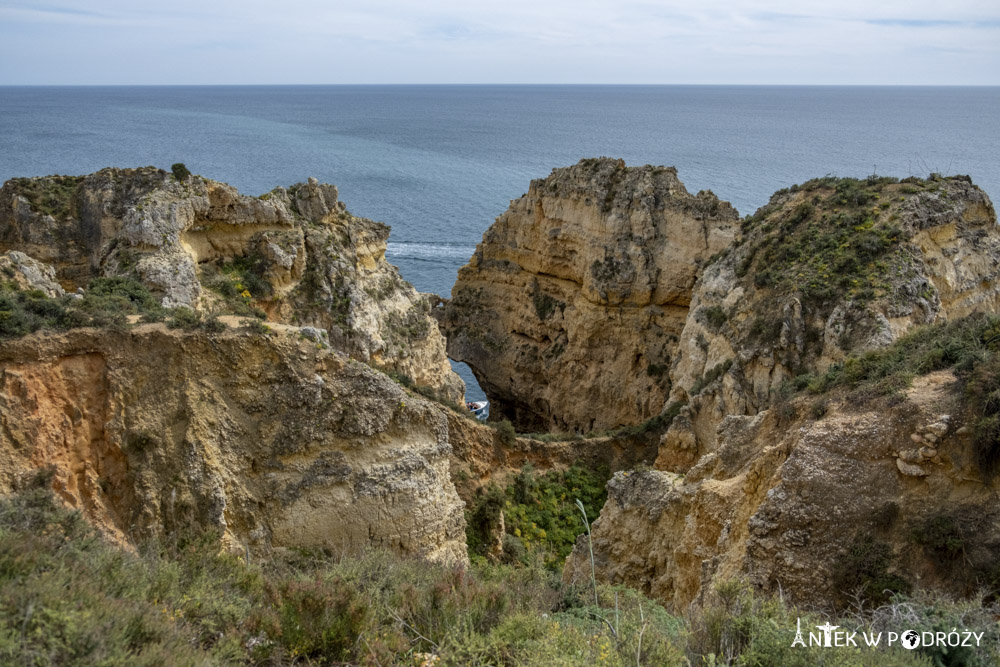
[(910, 639)]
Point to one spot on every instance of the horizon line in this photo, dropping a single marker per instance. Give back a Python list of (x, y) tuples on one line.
[(468, 84)]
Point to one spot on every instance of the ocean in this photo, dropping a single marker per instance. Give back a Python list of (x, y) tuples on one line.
[(439, 163)]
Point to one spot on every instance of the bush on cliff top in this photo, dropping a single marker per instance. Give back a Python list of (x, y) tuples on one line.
[(107, 302), (838, 242), (51, 195)]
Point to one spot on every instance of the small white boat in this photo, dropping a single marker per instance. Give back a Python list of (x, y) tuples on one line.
[(481, 409)]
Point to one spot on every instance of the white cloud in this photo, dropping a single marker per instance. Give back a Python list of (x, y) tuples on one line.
[(713, 41)]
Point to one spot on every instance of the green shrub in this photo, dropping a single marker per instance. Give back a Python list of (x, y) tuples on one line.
[(831, 247), (128, 289), (942, 537), (321, 618), (865, 572), (180, 172), (212, 324), (52, 195), (184, 318), (539, 511), (544, 304), (258, 327), (652, 426), (710, 376), (505, 432), (963, 345), (713, 317), (657, 370)]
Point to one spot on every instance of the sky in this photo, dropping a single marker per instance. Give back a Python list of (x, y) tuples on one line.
[(864, 42)]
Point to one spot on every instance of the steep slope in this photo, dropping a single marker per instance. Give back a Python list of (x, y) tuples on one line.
[(827, 268), (820, 509), (295, 254), (569, 311), (269, 439), (766, 474)]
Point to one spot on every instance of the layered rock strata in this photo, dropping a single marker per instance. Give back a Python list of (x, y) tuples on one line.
[(295, 253), (570, 309), (754, 482), (269, 440)]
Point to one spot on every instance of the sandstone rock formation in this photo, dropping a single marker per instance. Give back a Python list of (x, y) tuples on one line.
[(270, 440), (28, 274), (570, 309), (827, 268), (754, 482), (783, 504), (295, 253)]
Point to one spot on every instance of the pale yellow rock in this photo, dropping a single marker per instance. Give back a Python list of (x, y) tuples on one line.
[(780, 504), (569, 310), (266, 439), (314, 263)]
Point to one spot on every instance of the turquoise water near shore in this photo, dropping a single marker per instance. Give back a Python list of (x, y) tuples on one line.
[(439, 163)]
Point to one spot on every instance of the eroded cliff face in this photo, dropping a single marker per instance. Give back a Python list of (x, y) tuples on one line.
[(755, 480), (271, 440), (832, 267), (570, 310), (783, 504), (295, 253)]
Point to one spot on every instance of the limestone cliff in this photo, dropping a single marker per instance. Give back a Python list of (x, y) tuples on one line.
[(570, 309), (788, 505), (756, 478), (827, 268), (270, 439), (295, 253)]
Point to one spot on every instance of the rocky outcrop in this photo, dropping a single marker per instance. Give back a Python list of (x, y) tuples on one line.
[(803, 507), (751, 481), (828, 268), (295, 253), (481, 458), (570, 309), (29, 275), (267, 439)]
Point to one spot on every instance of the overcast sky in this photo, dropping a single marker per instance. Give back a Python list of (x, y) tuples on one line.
[(515, 41)]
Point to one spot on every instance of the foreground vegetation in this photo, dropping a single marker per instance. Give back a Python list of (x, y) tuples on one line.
[(69, 597)]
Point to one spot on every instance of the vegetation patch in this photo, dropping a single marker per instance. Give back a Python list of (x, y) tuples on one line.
[(180, 171), (545, 304), (107, 302), (865, 572), (51, 195), (69, 597), (839, 242), (969, 346), (232, 286), (192, 320), (540, 513), (246, 276), (711, 376), (712, 317)]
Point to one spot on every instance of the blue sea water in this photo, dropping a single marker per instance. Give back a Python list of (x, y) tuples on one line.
[(439, 163)]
